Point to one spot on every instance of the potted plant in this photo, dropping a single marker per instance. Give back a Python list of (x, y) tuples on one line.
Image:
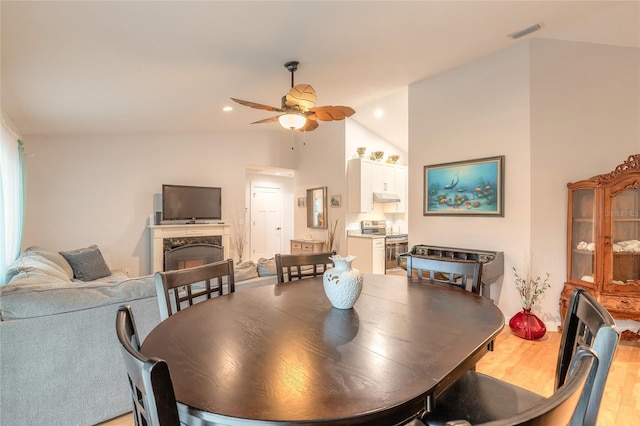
[(525, 323)]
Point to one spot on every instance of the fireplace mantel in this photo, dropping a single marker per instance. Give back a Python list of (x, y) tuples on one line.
[(157, 234)]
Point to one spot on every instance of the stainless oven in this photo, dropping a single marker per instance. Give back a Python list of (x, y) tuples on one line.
[(395, 244)]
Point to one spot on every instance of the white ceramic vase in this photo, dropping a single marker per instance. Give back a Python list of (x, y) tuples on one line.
[(342, 283)]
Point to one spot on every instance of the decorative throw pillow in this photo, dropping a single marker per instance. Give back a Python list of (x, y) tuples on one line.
[(87, 263), (266, 267), (245, 271)]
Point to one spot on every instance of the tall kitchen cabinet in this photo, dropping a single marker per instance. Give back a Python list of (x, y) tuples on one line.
[(360, 185), (366, 177), (603, 241)]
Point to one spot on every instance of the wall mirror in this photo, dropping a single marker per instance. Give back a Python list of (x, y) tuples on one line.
[(317, 207)]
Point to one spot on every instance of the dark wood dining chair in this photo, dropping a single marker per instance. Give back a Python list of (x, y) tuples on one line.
[(556, 410), (154, 402), (477, 397), (457, 271), (299, 266), (185, 287)]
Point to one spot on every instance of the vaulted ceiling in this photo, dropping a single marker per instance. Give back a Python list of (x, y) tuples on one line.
[(166, 67)]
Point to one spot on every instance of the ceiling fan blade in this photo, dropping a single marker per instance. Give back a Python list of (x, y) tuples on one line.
[(330, 113), (309, 126), (267, 120), (256, 105), (302, 95)]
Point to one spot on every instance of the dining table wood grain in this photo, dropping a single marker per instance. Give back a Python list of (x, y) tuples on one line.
[(282, 354)]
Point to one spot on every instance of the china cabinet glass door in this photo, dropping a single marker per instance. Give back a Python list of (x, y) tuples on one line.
[(622, 243), (583, 242)]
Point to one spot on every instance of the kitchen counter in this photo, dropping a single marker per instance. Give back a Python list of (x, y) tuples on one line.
[(370, 236)]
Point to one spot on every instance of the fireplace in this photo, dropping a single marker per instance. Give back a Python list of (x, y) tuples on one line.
[(188, 252), (165, 238)]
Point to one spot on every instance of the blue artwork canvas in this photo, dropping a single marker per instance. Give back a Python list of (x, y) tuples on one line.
[(473, 187)]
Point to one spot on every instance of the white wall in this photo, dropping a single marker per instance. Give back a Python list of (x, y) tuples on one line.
[(320, 162), (478, 110), (101, 190), (559, 112), (584, 122)]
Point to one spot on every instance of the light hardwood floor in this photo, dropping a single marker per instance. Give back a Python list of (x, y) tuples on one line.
[(531, 364)]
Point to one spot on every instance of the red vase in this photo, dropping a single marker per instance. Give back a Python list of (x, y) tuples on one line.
[(526, 325)]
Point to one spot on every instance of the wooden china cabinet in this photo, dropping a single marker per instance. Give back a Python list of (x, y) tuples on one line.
[(603, 241)]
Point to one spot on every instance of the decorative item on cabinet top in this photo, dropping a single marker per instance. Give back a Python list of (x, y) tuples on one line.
[(393, 159), (377, 155)]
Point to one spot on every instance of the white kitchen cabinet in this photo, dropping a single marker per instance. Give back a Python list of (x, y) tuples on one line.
[(365, 177), (360, 187), (369, 253), (399, 176), (380, 177)]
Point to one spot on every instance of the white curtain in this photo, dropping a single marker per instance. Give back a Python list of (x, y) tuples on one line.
[(11, 197)]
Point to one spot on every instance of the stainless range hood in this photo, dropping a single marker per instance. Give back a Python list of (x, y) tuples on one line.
[(385, 197)]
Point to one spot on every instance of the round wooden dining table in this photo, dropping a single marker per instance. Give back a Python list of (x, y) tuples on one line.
[(282, 354)]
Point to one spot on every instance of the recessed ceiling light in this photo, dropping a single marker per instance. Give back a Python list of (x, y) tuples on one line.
[(378, 113), (227, 109)]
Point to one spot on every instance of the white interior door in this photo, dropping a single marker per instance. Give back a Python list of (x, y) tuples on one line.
[(266, 221)]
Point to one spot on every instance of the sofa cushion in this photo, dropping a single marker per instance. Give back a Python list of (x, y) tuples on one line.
[(266, 267), (245, 271), (42, 296), (87, 263), (54, 257), (32, 265)]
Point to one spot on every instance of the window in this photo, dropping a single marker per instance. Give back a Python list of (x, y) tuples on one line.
[(11, 197)]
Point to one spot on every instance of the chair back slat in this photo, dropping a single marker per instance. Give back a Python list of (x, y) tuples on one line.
[(152, 395), (186, 287), (299, 266), (587, 324), (458, 271)]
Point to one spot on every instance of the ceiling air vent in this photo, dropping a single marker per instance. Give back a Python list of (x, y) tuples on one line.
[(526, 31)]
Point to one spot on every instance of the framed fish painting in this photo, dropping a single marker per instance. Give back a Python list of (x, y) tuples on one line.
[(467, 188)]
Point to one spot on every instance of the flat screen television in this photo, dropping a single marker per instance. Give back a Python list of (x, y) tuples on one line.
[(181, 202)]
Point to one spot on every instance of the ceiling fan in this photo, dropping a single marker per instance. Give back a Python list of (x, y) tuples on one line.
[(298, 107)]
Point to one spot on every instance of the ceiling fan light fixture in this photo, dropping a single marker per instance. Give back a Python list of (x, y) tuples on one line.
[(292, 121)]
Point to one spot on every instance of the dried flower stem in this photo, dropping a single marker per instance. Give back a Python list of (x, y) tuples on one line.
[(239, 234), (331, 234), (530, 287)]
